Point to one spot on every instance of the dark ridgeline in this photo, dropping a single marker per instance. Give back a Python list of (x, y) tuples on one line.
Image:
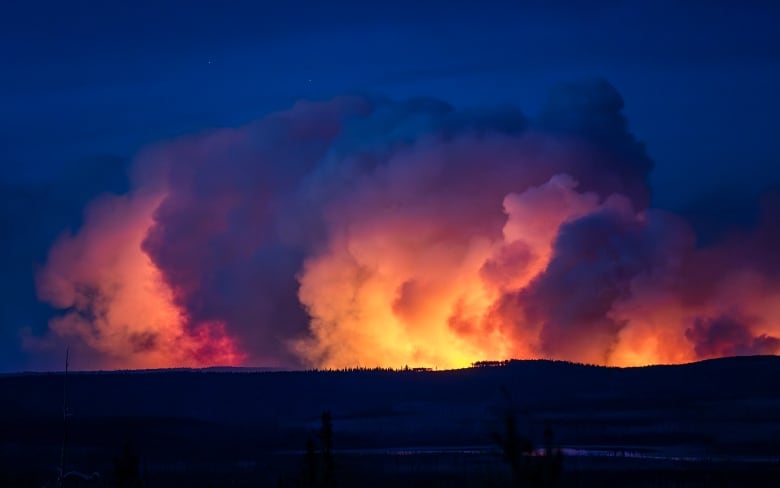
[(491, 425)]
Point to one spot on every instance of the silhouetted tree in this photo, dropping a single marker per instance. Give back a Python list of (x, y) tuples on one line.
[(514, 447), (72, 477), (127, 471), (311, 465), (318, 465), (552, 461), (326, 436), (543, 471), (527, 468)]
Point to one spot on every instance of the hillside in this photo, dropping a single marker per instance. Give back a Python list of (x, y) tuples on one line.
[(719, 409)]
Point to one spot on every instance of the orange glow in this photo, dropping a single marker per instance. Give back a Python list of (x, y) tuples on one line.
[(394, 292), (409, 248), (398, 289), (116, 299), (401, 288)]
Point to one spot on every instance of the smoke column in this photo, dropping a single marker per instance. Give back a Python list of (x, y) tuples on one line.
[(117, 300), (364, 231)]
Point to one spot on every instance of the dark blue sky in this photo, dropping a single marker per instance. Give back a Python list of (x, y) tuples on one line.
[(85, 84)]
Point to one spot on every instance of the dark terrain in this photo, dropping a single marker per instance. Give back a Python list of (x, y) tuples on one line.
[(713, 423)]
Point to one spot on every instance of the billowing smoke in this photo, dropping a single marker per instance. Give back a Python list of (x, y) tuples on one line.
[(727, 336), (365, 231), (118, 301)]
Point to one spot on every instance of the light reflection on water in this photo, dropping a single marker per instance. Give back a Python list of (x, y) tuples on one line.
[(596, 452)]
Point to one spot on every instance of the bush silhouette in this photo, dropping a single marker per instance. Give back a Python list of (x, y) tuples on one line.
[(127, 471), (318, 464), (326, 436), (528, 468)]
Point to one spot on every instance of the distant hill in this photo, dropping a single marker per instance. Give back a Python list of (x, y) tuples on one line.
[(722, 407), (694, 402)]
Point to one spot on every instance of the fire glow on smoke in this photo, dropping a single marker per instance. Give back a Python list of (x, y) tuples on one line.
[(369, 232)]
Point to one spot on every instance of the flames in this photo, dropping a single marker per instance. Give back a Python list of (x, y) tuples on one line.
[(363, 232)]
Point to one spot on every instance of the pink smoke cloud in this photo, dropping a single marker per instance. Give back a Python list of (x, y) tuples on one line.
[(365, 231)]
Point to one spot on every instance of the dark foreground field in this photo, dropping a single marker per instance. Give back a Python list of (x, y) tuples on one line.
[(715, 423)]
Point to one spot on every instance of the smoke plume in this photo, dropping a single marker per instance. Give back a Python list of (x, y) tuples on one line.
[(364, 231)]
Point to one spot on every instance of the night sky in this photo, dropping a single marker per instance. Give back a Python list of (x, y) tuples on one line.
[(87, 88)]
